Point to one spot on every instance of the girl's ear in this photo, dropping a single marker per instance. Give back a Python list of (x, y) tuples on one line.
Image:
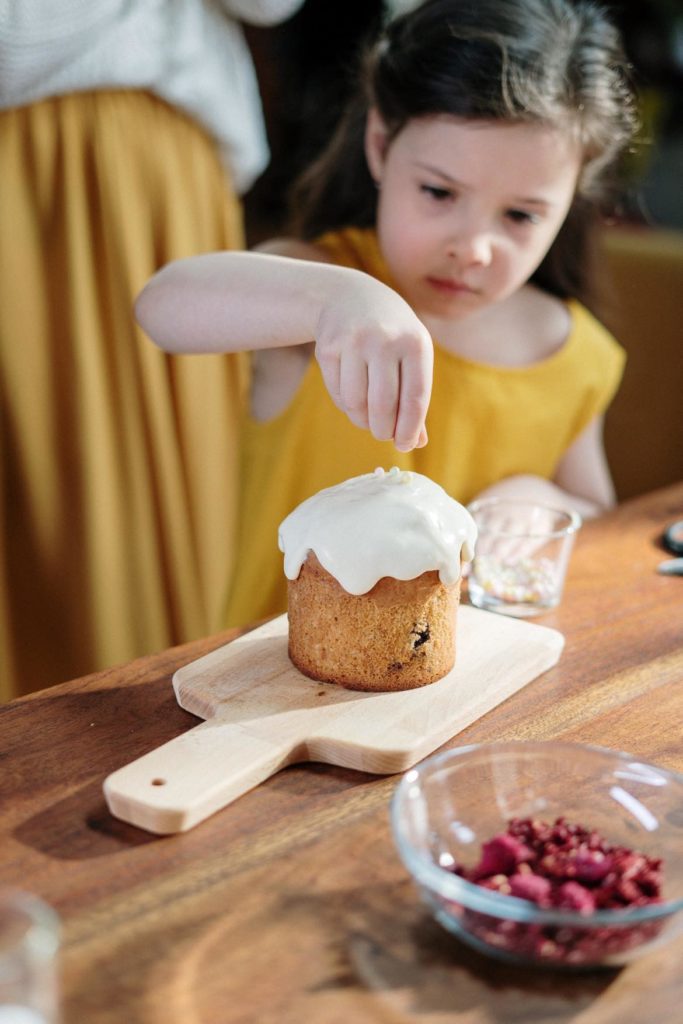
[(376, 143)]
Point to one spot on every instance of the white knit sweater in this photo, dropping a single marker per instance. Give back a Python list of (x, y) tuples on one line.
[(191, 53)]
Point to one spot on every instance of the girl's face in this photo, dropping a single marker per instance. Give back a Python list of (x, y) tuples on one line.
[(468, 209)]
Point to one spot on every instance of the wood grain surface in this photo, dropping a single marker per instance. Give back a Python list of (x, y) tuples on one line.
[(263, 715), (292, 907)]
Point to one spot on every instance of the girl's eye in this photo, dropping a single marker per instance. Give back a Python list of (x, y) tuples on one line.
[(523, 217), (439, 194)]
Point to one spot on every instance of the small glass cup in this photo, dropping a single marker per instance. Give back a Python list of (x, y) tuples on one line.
[(521, 555), (29, 944)]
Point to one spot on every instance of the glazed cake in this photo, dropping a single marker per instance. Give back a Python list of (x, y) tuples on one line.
[(373, 568)]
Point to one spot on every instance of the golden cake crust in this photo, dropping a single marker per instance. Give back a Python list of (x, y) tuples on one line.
[(398, 636)]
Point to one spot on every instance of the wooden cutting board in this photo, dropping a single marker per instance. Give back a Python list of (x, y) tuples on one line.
[(262, 714)]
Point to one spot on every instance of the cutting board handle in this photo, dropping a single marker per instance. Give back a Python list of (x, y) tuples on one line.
[(173, 788)]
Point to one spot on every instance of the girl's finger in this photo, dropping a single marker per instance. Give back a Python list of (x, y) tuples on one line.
[(383, 391), (415, 392), (353, 389)]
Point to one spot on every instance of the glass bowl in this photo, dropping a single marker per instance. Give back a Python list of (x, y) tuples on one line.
[(446, 808)]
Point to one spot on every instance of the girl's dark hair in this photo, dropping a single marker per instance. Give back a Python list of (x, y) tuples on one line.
[(552, 62)]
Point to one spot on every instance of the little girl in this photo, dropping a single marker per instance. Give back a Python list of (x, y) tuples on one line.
[(433, 290)]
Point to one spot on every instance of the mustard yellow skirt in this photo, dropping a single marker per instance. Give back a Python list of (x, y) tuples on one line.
[(118, 463)]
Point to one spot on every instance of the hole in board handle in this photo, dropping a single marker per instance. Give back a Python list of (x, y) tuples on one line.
[(158, 782)]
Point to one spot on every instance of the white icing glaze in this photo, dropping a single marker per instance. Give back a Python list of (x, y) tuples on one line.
[(397, 524)]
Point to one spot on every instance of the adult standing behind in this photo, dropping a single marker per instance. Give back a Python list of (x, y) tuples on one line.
[(128, 131)]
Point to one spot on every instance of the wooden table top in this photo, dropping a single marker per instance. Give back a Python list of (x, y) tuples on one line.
[(291, 905)]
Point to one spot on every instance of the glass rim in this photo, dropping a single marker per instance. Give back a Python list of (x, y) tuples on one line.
[(43, 926), (574, 519)]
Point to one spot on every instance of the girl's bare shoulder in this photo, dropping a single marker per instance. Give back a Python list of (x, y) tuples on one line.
[(295, 248)]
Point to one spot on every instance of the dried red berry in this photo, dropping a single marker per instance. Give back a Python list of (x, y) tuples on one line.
[(572, 896), (592, 866), (530, 887), (501, 855), (568, 867)]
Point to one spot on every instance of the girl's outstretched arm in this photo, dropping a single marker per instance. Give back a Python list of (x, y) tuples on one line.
[(374, 353), (584, 472), (582, 481)]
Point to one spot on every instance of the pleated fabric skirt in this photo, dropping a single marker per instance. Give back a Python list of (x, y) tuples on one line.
[(118, 463)]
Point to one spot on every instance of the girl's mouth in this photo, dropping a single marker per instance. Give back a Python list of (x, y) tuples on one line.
[(448, 287)]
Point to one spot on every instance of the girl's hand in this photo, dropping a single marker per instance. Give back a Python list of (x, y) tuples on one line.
[(526, 487), (375, 355), (376, 359)]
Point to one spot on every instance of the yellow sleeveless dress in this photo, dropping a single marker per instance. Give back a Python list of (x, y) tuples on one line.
[(118, 464), (485, 423)]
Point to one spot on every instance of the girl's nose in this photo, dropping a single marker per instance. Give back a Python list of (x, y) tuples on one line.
[(471, 246)]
